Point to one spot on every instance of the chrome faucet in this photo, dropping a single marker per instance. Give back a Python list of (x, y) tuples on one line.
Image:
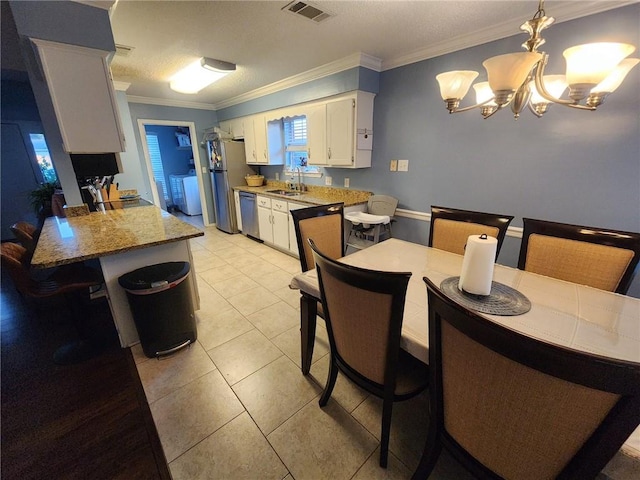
[(300, 187)]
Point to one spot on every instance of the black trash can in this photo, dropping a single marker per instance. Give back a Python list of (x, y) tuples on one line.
[(160, 300)]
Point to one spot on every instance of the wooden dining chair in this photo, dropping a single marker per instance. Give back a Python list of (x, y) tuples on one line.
[(363, 312), (26, 234), (508, 406), (73, 282), (325, 224), (450, 227), (597, 257)]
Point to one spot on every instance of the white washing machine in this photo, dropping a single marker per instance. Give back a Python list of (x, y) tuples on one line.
[(184, 190)]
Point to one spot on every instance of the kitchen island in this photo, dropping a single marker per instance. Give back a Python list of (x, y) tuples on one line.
[(123, 240)]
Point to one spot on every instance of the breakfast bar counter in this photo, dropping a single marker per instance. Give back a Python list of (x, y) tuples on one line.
[(123, 240)]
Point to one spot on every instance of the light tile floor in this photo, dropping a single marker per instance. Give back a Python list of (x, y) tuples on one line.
[(236, 406)]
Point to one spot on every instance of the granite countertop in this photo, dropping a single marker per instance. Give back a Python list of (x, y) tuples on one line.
[(69, 240), (315, 195)]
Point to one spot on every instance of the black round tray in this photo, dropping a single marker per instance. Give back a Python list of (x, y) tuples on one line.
[(503, 300)]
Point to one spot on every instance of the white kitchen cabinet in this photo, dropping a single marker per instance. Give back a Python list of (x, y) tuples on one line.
[(264, 218), (84, 100), (293, 241), (280, 223), (316, 134), (340, 131), (236, 199), (340, 134), (273, 219), (263, 141)]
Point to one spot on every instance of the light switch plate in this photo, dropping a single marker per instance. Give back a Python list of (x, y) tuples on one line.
[(346, 183), (403, 165), (328, 181), (393, 166)]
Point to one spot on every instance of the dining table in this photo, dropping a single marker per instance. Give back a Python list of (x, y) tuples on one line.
[(562, 313)]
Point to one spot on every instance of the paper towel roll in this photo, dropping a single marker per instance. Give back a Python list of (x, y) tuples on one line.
[(477, 266)]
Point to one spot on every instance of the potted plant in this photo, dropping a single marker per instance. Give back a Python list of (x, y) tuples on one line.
[(40, 198)]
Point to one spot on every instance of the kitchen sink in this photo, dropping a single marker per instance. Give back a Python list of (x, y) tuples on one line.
[(288, 193)]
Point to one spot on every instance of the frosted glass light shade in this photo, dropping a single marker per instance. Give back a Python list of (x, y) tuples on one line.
[(555, 85), (484, 93), (615, 78), (593, 62), (509, 71), (195, 76), (455, 84)]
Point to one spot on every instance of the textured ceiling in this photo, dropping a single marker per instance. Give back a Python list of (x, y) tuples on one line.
[(269, 45)]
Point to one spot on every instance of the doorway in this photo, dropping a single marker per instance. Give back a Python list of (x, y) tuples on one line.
[(173, 162)]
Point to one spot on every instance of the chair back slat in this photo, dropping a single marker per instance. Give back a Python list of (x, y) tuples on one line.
[(600, 258), (450, 227), (360, 322), (452, 235), (325, 225)]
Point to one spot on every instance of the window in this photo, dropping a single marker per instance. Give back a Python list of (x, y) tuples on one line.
[(295, 140), (156, 163), (43, 158)]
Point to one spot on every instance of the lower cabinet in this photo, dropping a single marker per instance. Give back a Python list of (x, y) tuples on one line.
[(273, 221)]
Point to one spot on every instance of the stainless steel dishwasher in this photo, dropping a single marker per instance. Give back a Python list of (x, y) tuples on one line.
[(249, 213)]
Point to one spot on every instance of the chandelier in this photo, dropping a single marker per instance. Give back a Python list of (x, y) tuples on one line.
[(593, 71)]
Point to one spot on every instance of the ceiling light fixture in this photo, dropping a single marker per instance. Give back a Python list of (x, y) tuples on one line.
[(593, 71), (199, 74)]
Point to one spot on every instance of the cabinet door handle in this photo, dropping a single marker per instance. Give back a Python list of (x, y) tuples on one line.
[(309, 153), (329, 152), (264, 153)]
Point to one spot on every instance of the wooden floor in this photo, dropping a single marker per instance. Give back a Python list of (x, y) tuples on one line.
[(88, 420)]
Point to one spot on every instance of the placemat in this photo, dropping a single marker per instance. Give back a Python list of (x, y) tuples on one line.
[(503, 300)]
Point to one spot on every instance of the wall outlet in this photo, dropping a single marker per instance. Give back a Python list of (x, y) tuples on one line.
[(403, 165), (277, 175), (328, 181), (346, 183), (393, 166), (204, 169)]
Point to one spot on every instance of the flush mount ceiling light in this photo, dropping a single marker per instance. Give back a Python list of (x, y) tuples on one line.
[(593, 71), (199, 74)]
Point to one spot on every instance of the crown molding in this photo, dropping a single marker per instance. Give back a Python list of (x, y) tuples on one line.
[(563, 13), (352, 61), (121, 86), (170, 103)]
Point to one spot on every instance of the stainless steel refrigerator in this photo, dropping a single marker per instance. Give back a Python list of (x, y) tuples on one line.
[(228, 170)]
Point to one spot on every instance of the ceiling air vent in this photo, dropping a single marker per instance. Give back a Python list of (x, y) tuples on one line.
[(308, 11)]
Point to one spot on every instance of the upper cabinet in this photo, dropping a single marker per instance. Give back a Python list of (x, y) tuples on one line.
[(84, 100), (317, 134), (263, 141), (339, 132)]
